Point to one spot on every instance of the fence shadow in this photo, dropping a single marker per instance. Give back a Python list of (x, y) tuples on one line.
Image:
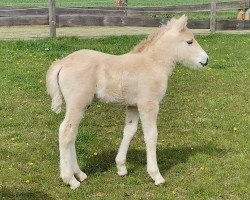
[(167, 158)]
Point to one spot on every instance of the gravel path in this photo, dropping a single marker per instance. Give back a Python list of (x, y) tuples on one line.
[(33, 32)]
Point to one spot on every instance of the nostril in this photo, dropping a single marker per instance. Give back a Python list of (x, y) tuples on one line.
[(206, 62)]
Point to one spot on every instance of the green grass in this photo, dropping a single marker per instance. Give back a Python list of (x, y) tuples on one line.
[(105, 2), (203, 146), (220, 15), (229, 14)]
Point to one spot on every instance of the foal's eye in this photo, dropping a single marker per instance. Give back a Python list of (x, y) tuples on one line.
[(190, 41)]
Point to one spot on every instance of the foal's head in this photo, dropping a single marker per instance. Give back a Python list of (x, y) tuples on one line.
[(176, 42), (183, 47)]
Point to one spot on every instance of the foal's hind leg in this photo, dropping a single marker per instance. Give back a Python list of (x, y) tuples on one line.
[(67, 135), (132, 117), (81, 176)]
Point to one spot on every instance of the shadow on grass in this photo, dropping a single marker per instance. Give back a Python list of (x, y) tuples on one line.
[(167, 158), (14, 193)]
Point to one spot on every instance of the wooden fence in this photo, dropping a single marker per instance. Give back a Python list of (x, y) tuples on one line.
[(122, 16)]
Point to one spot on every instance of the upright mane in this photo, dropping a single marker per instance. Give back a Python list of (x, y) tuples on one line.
[(156, 35), (150, 40)]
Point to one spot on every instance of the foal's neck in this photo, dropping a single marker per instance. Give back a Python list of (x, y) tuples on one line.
[(162, 54), (158, 47)]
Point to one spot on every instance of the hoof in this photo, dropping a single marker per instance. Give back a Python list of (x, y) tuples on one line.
[(81, 176), (74, 184), (71, 181), (160, 181), (122, 172)]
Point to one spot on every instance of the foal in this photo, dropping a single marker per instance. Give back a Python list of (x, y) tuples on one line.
[(137, 79)]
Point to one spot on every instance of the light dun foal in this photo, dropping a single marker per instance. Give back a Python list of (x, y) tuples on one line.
[(137, 79)]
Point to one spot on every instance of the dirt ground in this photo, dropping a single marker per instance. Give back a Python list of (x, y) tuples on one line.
[(33, 32)]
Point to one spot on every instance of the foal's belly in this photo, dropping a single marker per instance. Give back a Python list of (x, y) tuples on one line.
[(115, 93)]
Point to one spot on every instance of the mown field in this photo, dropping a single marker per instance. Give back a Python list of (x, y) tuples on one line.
[(105, 2), (229, 14), (203, 146)]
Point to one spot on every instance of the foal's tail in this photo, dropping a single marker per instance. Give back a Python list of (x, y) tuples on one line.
[(53, 88)]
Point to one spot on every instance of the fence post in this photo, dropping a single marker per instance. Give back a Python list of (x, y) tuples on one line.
[(52, 18), (247, 2), (213, 16), (125, 5)]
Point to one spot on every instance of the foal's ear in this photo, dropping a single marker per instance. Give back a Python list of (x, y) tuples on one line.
[(181, 23)]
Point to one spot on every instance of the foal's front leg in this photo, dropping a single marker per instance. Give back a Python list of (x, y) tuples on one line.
[(148, 113), (131, 122)]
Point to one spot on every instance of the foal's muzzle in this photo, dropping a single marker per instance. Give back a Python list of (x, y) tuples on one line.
[(204, 64)]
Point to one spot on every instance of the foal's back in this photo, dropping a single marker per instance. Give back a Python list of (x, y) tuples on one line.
[(111, 78)]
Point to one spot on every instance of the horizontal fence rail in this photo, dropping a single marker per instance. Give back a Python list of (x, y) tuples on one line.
[(24, 20), (81, 20), (122, 16)]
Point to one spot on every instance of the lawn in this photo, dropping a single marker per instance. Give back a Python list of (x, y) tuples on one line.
[(203, 146), (228, 14), (105, 2)]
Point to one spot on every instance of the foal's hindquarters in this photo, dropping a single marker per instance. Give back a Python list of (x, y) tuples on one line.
[(80, 82), (78, 94)]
